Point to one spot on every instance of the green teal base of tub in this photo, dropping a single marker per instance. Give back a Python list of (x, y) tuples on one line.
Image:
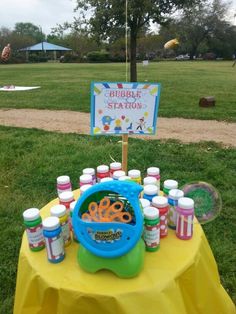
[(126, 266)]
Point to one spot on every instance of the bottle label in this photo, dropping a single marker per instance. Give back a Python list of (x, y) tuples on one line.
[(172, 216), (163, 227), (151, 236), (55, 247), (65, 230), (35, 236), (184, 227)]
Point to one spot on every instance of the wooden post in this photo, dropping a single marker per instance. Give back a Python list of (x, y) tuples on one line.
[(124, 152)]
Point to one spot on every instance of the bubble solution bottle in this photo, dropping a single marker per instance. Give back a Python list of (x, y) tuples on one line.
[(150, 191), (91, 172), (72, 206), (66, 198), (154, 172), (118, 174), (151, 233), (53, 239), (115, 166), (84, 188), (63, 184), (169, 185), (185, 215), (34, 230), (150, 180), (85, 179), (161, 203), (102, 172), (173, 197), (60, 212), (135, 175)]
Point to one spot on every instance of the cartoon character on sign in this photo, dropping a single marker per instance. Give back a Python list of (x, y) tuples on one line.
[(106, 121), (130, 127), (118, 127), (141, 124)]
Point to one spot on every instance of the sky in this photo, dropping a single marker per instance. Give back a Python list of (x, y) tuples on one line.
[(45, 13)]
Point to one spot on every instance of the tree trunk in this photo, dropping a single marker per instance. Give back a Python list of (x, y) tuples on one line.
[(133, 47)]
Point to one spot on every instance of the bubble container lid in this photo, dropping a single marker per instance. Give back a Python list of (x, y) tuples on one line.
[(115, 166), (151, 213), (85, 178), (63, 180), (149, 180), (51, 223), (58, 210), (134, 174), (160, 201), (186, 203), (170, 184), (102, 169), (66, 196), (150, 189), (31, 214), (154, 171), (90, 171)]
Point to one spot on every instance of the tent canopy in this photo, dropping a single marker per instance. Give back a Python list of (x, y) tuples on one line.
[(45, 46)]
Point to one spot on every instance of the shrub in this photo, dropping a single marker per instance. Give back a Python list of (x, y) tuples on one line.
[(98, 56)]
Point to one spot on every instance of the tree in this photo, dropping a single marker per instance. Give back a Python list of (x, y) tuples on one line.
[(200, 25), (29, 30), (108, 17)]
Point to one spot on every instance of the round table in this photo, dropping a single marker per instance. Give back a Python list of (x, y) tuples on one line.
[(180, 278)]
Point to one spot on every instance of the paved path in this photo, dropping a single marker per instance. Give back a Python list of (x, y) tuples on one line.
[(185, 130)]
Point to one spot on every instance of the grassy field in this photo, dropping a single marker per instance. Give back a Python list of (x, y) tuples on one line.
[(67, 86), (30, 161)]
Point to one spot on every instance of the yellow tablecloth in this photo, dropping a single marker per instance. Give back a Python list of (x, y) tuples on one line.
[(181, 278)]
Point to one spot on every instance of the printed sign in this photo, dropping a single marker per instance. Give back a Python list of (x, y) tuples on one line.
[(124, 108)]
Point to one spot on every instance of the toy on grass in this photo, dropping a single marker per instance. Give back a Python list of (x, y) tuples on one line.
[(108, 222), (206, 198)]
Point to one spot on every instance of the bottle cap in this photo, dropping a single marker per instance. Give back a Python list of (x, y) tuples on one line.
[(90, 171), (102, 169), (175, 194), (134, 174), (72, 204), (149, 180), (151, 212), (117, 174), (124, 178), (186, 203), (58, 210), (170, 184), (51, 223), (31, 214), (160, 201), (85, 178), (63, 180), (106, 179), (84, 188), (144, 202), (153, 171), (115, 166), (66, 196), (150, 189)]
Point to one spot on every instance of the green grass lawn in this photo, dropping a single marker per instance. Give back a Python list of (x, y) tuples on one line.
[(67, 86), (30, 161)]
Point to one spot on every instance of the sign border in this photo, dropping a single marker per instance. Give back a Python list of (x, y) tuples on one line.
[(92, 108)]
